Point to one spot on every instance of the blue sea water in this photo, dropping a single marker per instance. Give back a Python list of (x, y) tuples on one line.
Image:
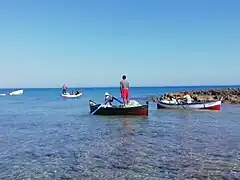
[(43, 136)]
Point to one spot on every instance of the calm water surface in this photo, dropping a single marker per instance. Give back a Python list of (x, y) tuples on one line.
[(43, 136)]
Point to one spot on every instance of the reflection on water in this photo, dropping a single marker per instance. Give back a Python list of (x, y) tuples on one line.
[(165, 145)]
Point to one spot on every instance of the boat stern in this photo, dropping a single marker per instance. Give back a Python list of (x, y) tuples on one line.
[(216, 105)]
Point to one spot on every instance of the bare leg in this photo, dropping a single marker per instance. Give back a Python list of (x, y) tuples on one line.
[(124, 101)]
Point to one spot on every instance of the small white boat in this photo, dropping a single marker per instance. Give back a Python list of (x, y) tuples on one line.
[(3, 94), (209, 105), (16, 93), (68, 95)]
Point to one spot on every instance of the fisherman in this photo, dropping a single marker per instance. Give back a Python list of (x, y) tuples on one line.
[(124, 89), (64, 87), (108, 99), (173, 100), (187, 98)]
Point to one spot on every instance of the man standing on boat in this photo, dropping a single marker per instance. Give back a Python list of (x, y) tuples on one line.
[(64, 89), (124, 89)]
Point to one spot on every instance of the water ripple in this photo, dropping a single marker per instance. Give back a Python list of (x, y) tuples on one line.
[(64, 142)]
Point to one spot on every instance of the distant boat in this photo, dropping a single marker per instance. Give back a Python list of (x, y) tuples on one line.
[(16, 93), (68, 95), (3, 94)]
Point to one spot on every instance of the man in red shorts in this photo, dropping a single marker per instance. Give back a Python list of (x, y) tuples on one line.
[(124, 89)]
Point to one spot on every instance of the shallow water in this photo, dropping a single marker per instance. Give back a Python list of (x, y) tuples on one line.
[(46, 137)]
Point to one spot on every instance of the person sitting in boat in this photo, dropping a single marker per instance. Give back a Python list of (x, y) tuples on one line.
[(77, 92), (187, 98), (173, 100), (108, 99)]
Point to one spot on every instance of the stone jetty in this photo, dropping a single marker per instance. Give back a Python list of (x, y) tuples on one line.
[(229, 95)]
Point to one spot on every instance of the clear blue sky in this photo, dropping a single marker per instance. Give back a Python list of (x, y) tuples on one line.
[(46, 43)]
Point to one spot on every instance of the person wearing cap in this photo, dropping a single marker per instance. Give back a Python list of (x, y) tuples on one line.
[(124, 89), (108, 99), (187, 97), (173, 100)]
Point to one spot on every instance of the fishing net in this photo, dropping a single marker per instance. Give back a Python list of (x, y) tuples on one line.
[(133, 103)]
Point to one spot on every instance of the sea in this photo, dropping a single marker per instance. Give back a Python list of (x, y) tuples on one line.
[(44, 136)]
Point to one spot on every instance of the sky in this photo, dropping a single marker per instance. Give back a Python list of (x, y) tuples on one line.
[(94, 42)]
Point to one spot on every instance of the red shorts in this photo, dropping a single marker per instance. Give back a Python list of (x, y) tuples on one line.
[(125, 93)]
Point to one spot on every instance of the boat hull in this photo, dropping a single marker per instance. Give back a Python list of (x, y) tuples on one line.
[(208, 105), (118, 111), (71, 95), (15, 93)]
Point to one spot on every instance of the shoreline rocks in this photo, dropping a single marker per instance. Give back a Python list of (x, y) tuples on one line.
[(229, 95)]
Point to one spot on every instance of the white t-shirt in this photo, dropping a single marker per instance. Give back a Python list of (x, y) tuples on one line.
[(107, 99), (188, 98), (173, 101)]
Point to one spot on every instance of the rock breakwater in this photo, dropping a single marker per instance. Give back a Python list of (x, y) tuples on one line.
[(229, 95)]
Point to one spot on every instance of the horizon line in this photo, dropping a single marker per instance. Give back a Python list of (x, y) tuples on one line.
[(90, 87)]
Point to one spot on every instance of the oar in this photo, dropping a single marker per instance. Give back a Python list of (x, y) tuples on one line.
[(117, 100), (96, 109), (181, 104), (104, 103)]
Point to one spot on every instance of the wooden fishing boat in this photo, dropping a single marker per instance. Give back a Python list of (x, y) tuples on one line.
[(101, 109), (208, 105)]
